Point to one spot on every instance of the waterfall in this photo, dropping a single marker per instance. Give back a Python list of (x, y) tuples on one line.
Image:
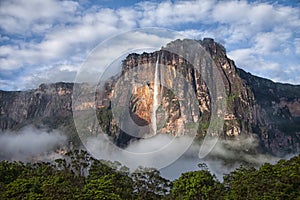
[(161, 73), (155, 97)]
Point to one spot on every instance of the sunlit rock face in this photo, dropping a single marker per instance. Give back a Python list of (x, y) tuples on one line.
[(256, 107), (168, 116), (171, 115), (252, 109), (141, 105)]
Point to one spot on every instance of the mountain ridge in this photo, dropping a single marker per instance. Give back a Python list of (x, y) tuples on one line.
[(258, 107)]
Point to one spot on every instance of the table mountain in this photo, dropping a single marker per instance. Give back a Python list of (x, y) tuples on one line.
[(256, 107)]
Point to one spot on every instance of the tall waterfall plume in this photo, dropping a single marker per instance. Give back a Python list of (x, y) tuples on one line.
[(155, 97)]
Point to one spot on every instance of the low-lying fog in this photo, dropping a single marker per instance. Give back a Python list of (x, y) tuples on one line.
[(221, 160), (162, 151), (30, 144)]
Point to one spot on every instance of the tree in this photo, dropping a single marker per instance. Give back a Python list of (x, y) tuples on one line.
[(23, 189), (79, 161), (148, 184), (67, 179), (100, 188), (117, 174), (279, 181), (239, 182), (197, 185), (10, 171)]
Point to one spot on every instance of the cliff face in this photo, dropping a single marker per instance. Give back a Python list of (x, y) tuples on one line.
[(256, 107), (48, 101), (49, 106), (275, 113), (173, 117)]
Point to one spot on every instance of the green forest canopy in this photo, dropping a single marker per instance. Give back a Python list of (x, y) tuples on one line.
[(80, 176)]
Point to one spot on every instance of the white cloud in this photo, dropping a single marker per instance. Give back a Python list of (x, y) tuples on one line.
[(248, 59), (177, 155), (231, 12), (64, 42), (29, 143), (168, 14), (53, 32), (194, 33), (21, 16), (297, 46), (127, 17), (276, 70), (158, 151), (117, 48), (240, 55), (272, 42), (50, 74), (288, 74)]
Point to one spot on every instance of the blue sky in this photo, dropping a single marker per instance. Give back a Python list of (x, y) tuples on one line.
[(47, 41)]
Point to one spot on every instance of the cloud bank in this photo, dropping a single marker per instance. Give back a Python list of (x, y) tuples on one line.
[(30, 144), (224, 157), (50, 43)]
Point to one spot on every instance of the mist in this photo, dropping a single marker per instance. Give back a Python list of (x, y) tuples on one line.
[(226, 156), (171, 155), (157, 152), (30, 144)]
